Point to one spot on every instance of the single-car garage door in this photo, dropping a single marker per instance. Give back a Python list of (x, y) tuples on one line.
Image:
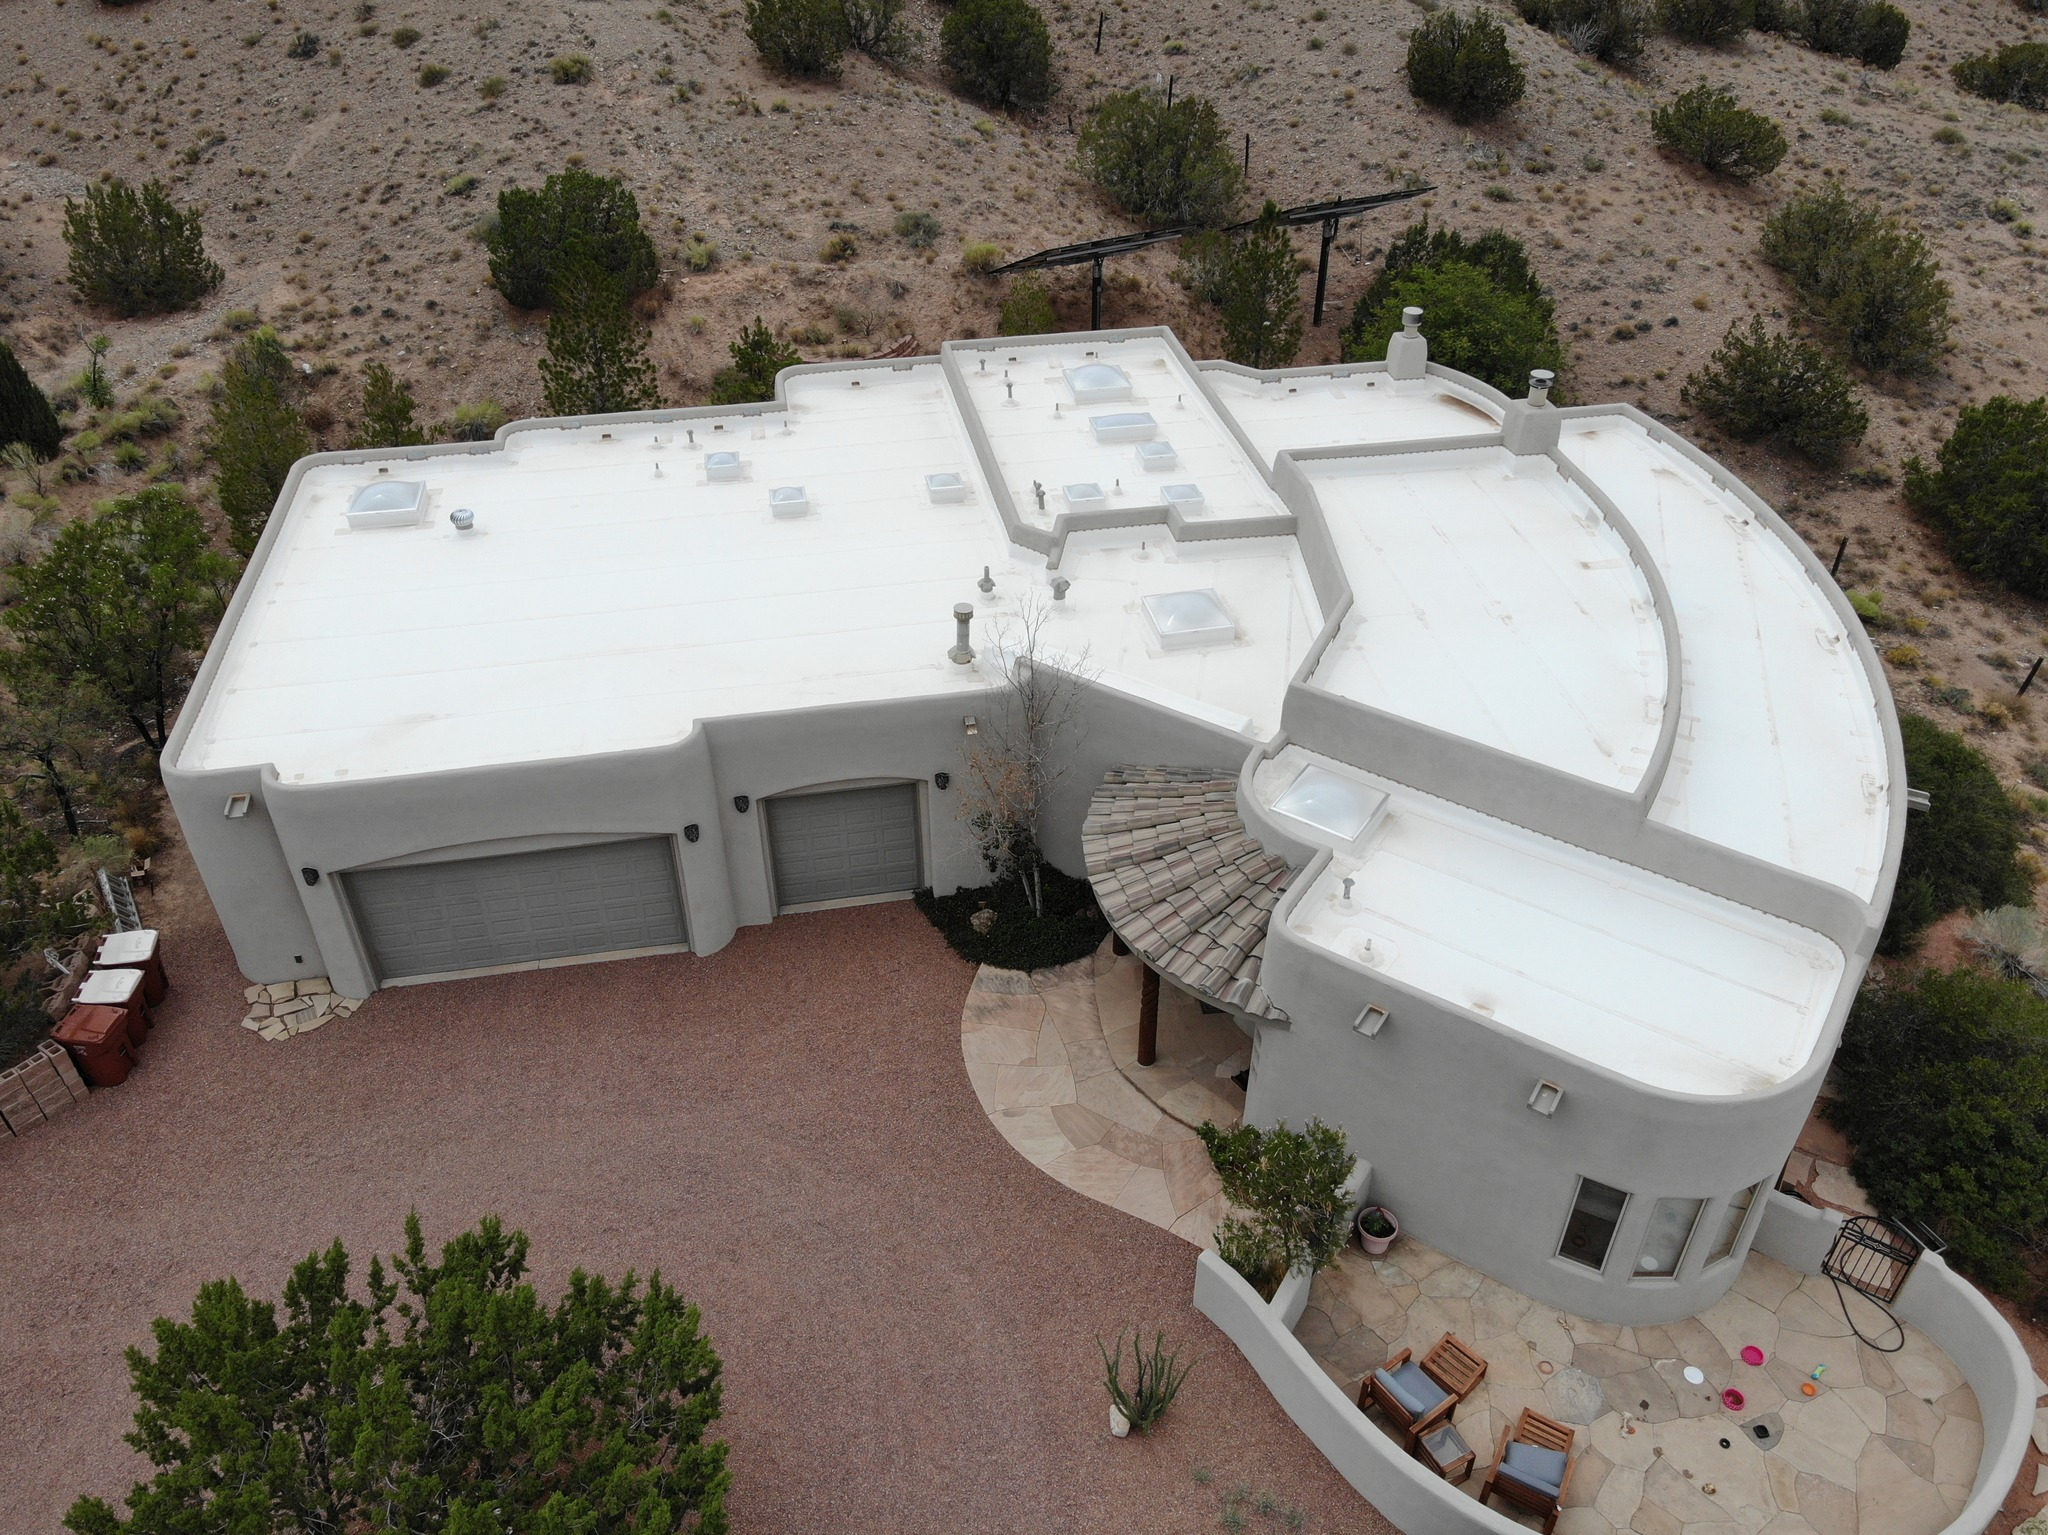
[(475, 913), (844, 844)]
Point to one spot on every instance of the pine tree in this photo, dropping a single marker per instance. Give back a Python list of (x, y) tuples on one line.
[(1261, 297), (388, 420), (756, 358), (576, 215), (597, 352), (135, 252), (257, 435), (25, 414)]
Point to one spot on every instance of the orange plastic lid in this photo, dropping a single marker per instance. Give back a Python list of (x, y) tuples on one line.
[(90, 1027)]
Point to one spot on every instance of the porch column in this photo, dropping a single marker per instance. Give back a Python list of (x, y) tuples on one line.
[(1117, 946), (1148, 1018)]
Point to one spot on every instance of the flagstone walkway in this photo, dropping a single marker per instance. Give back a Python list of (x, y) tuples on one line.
[(1036, 1055)]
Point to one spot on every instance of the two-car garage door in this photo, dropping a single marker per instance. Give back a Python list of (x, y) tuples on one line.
[(518, 908)]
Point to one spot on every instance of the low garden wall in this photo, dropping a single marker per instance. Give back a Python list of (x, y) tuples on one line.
[(1935, 1300)]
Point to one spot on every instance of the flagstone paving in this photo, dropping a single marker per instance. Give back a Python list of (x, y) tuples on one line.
[(1036, 1055), (1889, 1445), (1199, 1052)]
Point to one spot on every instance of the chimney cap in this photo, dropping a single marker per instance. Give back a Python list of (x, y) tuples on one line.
[(1411, 319), (1540, 380)]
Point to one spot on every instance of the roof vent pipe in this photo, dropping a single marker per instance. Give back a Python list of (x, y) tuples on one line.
[(1060, 584), (1540, 380), (1530, 427), (463, 518), (962, 653), (987, 583), (1408, 349)]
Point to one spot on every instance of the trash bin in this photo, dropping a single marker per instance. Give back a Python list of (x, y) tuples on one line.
[(122, 989), (97, 1038), (138, 950)]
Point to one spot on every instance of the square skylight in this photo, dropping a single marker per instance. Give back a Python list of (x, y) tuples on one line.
[(1333, 804), (945, 488), (789, 501), (1185, 620), (1123, 426), (1084, 496), (1158, 456), (387, 504), (1098, 383), (1185, 499), (720, 467)]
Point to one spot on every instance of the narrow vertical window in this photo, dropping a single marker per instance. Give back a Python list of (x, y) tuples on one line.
[(1671, 1223), (1731, 1223), (1590, 1231)]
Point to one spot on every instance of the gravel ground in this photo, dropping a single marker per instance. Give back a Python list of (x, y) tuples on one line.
[(907, 1309)]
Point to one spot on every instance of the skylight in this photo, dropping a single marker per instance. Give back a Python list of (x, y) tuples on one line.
[(1341, 807)]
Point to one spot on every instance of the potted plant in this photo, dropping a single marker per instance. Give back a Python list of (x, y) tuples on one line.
[(1377, 1229)]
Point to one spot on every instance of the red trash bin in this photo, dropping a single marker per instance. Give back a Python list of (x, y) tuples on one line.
[(139, 950), (122, 989), (97, 1038)]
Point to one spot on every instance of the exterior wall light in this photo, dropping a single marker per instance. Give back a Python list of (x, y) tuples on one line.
[(971, 725), (237, 807), (1371, 1021), (1545, 1099), (740, 803), (942, 780), (691, 833), (310, 876)]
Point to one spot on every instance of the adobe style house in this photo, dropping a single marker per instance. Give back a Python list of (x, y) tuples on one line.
[(1513, 775)]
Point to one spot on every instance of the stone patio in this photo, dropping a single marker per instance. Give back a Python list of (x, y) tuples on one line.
[(1888, 1445), (1199, 1052)]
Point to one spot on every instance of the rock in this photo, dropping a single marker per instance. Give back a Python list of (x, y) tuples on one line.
[(252, 1022), (274, 1030), (308, 1024), (316, 987), (252, 994), (2041, 1429)]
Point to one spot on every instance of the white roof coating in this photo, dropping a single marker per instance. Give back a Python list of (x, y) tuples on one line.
[(1651, 978), (1780, 752), (1491, 600), (1338, 410)]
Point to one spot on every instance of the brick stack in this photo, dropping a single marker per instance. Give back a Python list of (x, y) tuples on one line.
[(38, 1089)]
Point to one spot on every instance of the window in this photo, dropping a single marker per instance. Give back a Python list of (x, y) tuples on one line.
[(1588, 1234), (1671, 1224), (1731, 1223)]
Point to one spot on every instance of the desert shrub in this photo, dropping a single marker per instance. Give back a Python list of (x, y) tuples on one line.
[(1254, 281), (1708, 126), (1706, 21), (1963, 850), (876, 28), (1757, 385), (919, 229), (798, 37), (492, 87), (1941, 1082), (257, 434), (838, 249), (1292, 1183), (1486, 313), (1871, 31), (596, 359), (474, 422), (304, 45), (1156, 1380), (1612, 31), (1886, 29), (999, 51), (700, 253), (1171, 164), (388, 419), (1462, 65), (134, 252), (1868, 278), (405, 37), (450, 1396), (1989, 492), (1070, 927), (25, 412), (431, 75), (571, 69), (980, 257), (1027, 308), (2017, 72), (756, 358), (575, 215)]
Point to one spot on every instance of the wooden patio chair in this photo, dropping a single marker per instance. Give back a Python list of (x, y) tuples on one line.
[(1532, 1466), (1419, 1394)]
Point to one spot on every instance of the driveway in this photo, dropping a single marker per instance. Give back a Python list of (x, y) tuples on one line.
[(907, 1309)]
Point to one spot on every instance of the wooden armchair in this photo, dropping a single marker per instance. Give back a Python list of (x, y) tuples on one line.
[(1420, 1394), (1532, 1466)]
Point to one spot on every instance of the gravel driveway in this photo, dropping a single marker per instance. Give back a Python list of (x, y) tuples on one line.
[(906, 1308)]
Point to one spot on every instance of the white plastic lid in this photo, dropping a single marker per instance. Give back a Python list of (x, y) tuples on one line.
[(109, 988), (128, 948)]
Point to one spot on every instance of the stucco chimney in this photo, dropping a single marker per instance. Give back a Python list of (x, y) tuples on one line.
[(1530, 426), (1407, 349)]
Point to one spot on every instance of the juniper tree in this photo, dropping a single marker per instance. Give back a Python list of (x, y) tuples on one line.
[(1708, 126), (1172, 163), (596, 359), (756, 358), (574, 216), (1757, 385), (1462, 65), (1254, 281), (25, 413), (388, 420), (257, 434), (999, 51), (135, 252)]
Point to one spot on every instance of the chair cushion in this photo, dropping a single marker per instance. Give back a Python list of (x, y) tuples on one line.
[(1416, 1392), (1534, 1467)]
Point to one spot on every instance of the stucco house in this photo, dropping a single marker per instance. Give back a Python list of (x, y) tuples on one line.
[(1514, 776)]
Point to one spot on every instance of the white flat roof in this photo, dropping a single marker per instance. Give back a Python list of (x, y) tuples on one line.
[(1491, 600), (1650, 978), (1342, 410)]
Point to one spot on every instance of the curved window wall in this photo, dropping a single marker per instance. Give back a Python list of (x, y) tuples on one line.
[(1680, 1235)]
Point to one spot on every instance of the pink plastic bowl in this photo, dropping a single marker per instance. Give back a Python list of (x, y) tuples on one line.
[(1751, 1354), (1733, 1399)]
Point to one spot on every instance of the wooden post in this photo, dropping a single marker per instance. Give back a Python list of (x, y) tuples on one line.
[(1117, 946), (1148, 1018)]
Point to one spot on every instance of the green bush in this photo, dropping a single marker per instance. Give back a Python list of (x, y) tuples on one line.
[(596, 359), (1707, 21), (1485, 312), (1757, 385), (257, 435), (304, 45), (1869, 279), (999, 52), (1886, 29), (1963, 850), (1989, 493), (920, 230), (478, 422), (876, 28), (575, 215), (134, 252), (1254, 280), (25, 413), (2017, 72), (1169, 164), (1942, 1084), (757, 357), (798, 37), (388, 419), (1071, 928), (447, 1397), (1292, 1183), (571, 69), (1462, 65), (431, 75), (1708, 126), (980, 257), (1027, 308), (1871, 31), (1612, 31)]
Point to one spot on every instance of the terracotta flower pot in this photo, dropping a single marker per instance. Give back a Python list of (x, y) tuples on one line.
[(1372, 1244)]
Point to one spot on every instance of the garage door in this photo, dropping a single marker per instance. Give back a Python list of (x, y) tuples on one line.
[(844, 844), (473, 913)]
